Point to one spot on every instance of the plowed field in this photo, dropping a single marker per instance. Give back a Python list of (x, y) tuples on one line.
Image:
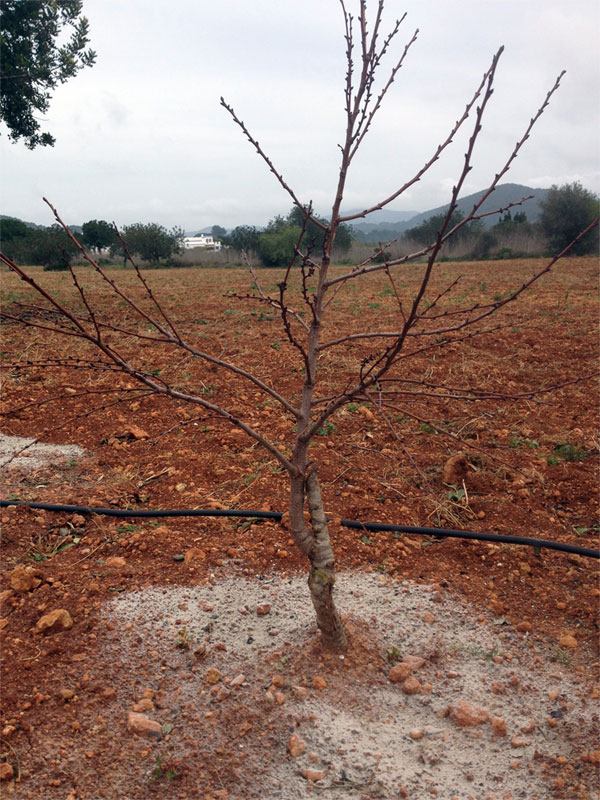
[(530, 469)]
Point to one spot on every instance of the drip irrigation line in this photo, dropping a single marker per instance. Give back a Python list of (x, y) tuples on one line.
[(371, 527)]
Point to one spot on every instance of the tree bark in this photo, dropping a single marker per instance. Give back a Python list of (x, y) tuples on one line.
[(316, 545)]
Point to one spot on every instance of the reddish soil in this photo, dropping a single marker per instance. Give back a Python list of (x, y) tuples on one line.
[(149, 453)]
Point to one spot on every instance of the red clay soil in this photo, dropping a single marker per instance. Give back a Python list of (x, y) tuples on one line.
[(530, 469)]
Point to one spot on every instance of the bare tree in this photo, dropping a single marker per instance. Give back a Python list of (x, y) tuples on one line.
[(423, 325)]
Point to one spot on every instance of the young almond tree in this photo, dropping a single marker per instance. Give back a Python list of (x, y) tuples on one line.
[(422, 324)]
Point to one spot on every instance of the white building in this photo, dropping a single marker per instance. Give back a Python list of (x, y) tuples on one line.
[(202, 240)]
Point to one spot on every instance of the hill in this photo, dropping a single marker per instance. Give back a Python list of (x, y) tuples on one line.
[(505, 193), (35, 226)]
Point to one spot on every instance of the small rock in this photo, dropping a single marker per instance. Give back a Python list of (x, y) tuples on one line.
[(115, 562), (223, 694), (77, 657), (417, 734), (57, 620), (238, 680), (319, 683), (6, 771), (313, 775), (568, 642), (137, 433), (411, 685), (519, 741), (414, 662), (145, 704), (524, 627), (295, 746), (529, 726), (400, 672), (280, 698), (263, 609), (300, 691), (5, 596), (194, 554), (466, 715), (67, 694), (593, 757), (24, 578), (141, 725), (498, 725), (428, 618), (212, 676)]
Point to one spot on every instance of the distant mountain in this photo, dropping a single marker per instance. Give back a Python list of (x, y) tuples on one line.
[(29, 224), (198, 231), (505, 193), (383, 217), (74, 228)]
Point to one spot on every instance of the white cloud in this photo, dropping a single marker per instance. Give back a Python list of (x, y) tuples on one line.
[(141, 135)]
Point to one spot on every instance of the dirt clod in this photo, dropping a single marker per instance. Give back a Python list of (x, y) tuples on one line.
[(466, 715), (24, 578), (296, 747), (399, 672), (57, 620)]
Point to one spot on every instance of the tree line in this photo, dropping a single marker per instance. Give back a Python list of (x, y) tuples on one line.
[(565, 211), (52, 248)]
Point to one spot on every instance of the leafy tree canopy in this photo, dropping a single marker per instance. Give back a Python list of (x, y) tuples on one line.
[(12, 228), (276, 246), (49, 247), (218, 232), (428, 230), (566, 211), (152, 242), (98, 234), (314, 235), (33, 63), (244, 237)]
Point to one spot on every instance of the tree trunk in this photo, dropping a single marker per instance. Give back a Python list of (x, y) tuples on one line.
[(316, 545)]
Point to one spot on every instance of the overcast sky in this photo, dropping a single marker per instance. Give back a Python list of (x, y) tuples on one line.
[(141, 136)]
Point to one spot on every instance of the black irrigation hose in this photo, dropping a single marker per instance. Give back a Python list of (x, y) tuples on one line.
[(373, 527)]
